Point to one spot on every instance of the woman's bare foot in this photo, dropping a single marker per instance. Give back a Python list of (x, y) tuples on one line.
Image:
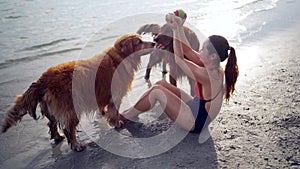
[(123, 119), (128, 115)]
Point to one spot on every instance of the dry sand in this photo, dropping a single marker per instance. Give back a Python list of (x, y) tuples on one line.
[(261, 126)]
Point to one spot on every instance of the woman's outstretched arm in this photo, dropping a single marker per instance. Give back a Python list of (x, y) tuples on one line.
[(191, 69), (190, 53)]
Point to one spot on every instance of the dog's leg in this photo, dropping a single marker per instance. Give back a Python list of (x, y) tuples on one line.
[(148, 71), (164, 66), (192, 84), (172, 80), (173, 74), (155, 58), (112, 114), (52, 124), (70, 133)]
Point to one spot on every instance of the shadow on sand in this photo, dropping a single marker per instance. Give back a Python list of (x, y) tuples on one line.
[(187, 154)]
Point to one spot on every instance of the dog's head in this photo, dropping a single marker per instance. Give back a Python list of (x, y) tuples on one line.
[(133, 44), (164, 39)]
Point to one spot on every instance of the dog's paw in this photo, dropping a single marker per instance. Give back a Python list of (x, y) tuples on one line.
[(58, 139), (121, 123), (78, 147), (122, 120), (164, 72)]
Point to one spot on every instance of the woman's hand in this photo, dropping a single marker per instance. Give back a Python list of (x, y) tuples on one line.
[(174, 21)]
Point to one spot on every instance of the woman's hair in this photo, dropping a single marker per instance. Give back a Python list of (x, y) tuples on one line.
[(221, 47)]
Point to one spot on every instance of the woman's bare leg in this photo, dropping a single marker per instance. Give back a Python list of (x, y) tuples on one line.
[(175, 90), (173, 106)]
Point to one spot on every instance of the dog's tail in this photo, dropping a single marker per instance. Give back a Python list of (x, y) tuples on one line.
[(25, 103)]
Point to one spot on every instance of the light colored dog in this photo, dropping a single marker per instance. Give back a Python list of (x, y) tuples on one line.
[(54, 90)]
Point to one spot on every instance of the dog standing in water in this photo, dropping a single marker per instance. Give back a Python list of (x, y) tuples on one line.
[(54, 90)]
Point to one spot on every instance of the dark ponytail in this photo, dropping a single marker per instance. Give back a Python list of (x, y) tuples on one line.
[(221, 47), (231, 73)]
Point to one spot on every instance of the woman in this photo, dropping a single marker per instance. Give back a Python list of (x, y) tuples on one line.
[(192, 113)]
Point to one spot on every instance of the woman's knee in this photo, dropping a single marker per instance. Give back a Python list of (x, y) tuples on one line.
[(162, 83), (154, 92), (158, 93), (155, 87)]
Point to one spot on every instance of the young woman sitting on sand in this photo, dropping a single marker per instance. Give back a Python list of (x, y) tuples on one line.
[(192, 113)]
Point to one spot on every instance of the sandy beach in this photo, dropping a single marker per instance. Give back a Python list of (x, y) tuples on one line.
[(258, 128)]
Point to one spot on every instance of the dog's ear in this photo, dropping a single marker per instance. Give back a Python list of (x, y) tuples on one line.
[(125, 46), (167, 31)]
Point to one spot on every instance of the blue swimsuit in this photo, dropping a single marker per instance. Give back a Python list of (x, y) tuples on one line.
[(197, 105), (198, 108)]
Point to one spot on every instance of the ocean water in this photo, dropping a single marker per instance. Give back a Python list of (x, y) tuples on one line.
[(34, 29), (35, 35)]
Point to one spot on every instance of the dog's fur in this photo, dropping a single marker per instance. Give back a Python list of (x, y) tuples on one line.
[(163, 36), (67, 90)]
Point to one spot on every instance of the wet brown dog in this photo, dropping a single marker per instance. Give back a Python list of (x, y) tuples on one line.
[(163, 36), (66, 91)]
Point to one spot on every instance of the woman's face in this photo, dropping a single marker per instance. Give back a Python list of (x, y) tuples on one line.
[(204, 53)]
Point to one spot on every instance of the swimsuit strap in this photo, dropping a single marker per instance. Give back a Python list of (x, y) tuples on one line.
[(220, 89)]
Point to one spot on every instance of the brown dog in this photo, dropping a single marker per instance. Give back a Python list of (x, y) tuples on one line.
[(163, 36), (65, 91)]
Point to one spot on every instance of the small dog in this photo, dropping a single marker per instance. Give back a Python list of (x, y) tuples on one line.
[(106, 76), (163, 36)]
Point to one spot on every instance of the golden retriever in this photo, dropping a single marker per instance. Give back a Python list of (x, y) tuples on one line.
[(163, 36), (64, 91)]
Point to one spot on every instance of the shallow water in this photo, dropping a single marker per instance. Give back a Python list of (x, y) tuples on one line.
[(35, 35), (31, 30)]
